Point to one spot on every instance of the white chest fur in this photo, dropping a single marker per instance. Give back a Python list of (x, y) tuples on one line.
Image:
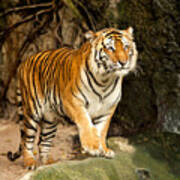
[(101, 100), (98, 107)]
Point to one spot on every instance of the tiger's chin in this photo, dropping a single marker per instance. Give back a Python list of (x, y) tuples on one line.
[(125, 70), (118, 71)]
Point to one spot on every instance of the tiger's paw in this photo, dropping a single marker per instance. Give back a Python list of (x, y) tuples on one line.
[(92, 148), (93, 152), (91, 143), (108, 153), (30, 163), (47, 160)]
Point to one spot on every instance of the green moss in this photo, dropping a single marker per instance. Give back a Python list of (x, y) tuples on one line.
[(146, 156)]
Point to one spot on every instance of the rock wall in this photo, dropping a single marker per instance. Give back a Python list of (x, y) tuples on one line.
[(151, 98)]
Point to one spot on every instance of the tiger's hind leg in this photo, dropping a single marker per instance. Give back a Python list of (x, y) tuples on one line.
[(47, 134), (30, 132)]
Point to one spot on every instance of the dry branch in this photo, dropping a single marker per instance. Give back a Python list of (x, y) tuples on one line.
[(5, 33), (21, 8), (88, 14)]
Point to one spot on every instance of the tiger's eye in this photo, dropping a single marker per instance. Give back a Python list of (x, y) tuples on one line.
[(126, 47), (111, 49)]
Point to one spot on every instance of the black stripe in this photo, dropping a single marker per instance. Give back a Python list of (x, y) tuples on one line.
[(30, 93), (84, 84), (100, 52), (30, 126), (61, 107), (101, 57), (69, 67), (47, 58), (82, 94), (19, 104), (63, 65), (22, 133), (28, 141), (115, 84), (29, 137), (48, 133), (40, 70), (105, 89), (57, 56), (92, 76), (48, 138), (52, 61), (103, 45), (46, 121), (56, 110), (18, 93), (54, 93), (52, 127), (34, 84), (29, 87), (105, 81), (114, 32), (90, 84), (73, 93), (53, 72), (36, 121), (98, 117), (21, 117), (61, 104), (46, 145), (32, 118)]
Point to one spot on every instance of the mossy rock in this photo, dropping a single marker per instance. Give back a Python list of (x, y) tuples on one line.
[(132, 162)]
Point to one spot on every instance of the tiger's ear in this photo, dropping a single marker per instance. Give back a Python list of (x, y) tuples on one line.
[(130, 30), (90, 35)]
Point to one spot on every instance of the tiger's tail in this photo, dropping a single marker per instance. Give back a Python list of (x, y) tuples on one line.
[(10, 155)]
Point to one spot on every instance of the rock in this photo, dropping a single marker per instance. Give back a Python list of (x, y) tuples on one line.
[(135, 162)]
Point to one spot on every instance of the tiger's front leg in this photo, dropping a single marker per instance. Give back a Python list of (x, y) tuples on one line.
[(102, 128), (89, 138)]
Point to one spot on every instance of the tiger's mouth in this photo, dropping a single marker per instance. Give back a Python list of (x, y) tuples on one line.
[(113, 69), (122, 66)]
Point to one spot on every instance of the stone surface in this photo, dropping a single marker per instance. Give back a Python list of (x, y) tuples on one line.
[(132, 162)]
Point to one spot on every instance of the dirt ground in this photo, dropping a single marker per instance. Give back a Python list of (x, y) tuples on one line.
[(9, 139)]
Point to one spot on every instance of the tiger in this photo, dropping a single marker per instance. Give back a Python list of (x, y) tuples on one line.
[(83, 84)]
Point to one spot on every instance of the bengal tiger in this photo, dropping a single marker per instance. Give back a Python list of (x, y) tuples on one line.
[(82, 84)]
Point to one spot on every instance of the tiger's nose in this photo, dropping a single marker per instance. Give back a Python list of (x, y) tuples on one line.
[(122, 63)]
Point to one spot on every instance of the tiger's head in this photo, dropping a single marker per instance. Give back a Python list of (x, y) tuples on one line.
[(113, 51)]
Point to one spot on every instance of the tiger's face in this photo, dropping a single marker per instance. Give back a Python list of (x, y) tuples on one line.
[(114, 50)]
